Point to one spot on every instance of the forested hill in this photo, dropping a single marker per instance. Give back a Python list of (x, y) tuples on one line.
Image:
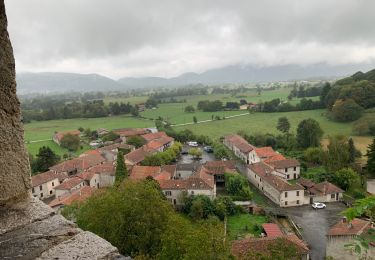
[(358, 76)]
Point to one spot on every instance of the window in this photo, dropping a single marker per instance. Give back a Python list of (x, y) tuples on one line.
[(192, 192), (286, 194), (33, 190), (295, 168), (332, 196), (50, 192), (40, 187), (260, 179), (286, 203), (297, 192), (41, 195), (168, 193), (53, 184), (297, 201), (286, 169), (287, 176)]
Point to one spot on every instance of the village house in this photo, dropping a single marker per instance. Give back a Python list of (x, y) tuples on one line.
[(321, 192), (77, 196), (241, 148), (69, 185), (288, 169), (106, 174), (102, 131), (109, 152), (345, 232), (160, 144), (137, 156), (125, 133), (43, 184), (275, 188), (57, 137), (200, 183), (185, 170)]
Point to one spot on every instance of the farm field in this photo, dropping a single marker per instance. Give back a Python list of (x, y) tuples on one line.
[(174, 112), (266, 123), (44, 130)]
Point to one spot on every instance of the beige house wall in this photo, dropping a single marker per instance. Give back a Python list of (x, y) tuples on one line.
[(60, 192), (48, 189), (106, 180), (289, 174)]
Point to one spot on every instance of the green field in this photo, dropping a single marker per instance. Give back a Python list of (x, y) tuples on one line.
[(44, 130), (266, 123), (241, 225)]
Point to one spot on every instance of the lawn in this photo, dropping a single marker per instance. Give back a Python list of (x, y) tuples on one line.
[(245, 224), (33, 148)]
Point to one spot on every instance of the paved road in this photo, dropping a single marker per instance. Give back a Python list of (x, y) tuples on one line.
[(315, 224), (210, 120)]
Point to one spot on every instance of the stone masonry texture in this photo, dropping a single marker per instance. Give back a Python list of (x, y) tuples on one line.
[(14, 165)]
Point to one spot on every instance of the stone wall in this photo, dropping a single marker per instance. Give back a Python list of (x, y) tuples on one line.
[(14, 166)]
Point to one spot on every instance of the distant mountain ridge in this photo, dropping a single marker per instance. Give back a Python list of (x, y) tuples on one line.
[(236, 74)]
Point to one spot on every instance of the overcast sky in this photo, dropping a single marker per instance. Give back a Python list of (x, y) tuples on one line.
[(121, 38)]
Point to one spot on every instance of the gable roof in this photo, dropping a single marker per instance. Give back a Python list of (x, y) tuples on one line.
[(276, 157), (286, 163), (265, 172), (79, 195), (69, 183), (172, 184), (153, 136), (165, 172), (306, 182), (105, 168), (240, 248), (265, 152), (324, 188), (138, 155), (42, 178), (240, 143), (81, 163), (344, 228), (220, 167)]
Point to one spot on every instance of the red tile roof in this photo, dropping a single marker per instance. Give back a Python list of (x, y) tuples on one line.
[(79, 195), (138, 155), (355, 227), (153, 136), (81, 163), (172, 184), (41, 178), (220, 167), (265, 172), (276, 157), (105, 168), (157, 172), (92, 152), (324, 188), (125, 132), (272, 230), (241, 248), (287, 163), (305, 182), (265, 152), (69, 183), (58, 136), (240, 143), (86, 175)]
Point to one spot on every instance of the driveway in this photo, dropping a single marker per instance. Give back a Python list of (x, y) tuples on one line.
[(315, 225)]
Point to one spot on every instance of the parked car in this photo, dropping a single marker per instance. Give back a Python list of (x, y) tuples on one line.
[(318, 205), (192, 144), (208, 149)]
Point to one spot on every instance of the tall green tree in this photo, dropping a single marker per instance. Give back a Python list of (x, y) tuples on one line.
[(352, 150), (337, 155), (371, 158), (121, 171), (45, 159), (346, 178), (195, 119), (309, 133), (70, 142), (283, 124)]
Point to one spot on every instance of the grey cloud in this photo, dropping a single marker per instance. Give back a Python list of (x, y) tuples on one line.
[(168, 37)]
